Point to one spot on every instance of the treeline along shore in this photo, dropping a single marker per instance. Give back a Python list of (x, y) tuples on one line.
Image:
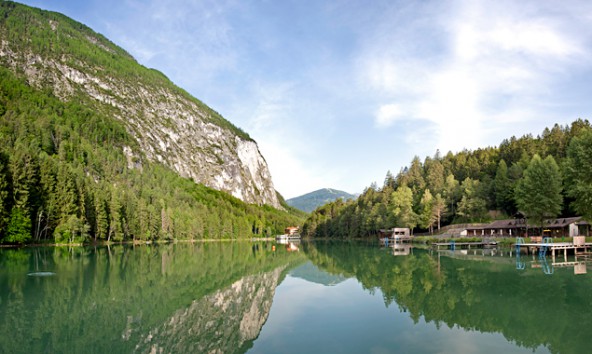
[(540, 178)]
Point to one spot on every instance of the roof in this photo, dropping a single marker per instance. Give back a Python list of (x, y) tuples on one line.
[(520, 223), (561, 222)]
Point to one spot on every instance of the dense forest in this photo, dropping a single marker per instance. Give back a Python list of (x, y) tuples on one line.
[(64, 177), (71, 172), (541, 177)]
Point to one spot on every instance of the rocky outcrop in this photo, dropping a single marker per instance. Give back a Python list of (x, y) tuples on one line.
[(221, 322), (168, 124)]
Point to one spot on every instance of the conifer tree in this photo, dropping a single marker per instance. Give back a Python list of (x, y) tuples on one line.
[(538, 194), (4, 192), (503, 189), (578, 173), (471, 206)]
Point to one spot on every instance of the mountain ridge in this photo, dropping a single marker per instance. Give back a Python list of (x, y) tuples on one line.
[(96, 148), (312, 200), (171, 127)]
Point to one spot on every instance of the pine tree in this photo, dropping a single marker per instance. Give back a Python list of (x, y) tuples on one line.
[(578, 173), (471, 206), (19, 227), (503, 189), (538, 194), (4, 192)]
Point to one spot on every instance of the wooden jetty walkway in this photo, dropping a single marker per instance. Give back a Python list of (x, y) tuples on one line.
[(453, 245), (577, 248)]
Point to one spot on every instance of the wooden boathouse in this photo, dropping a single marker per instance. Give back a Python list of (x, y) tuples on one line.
[(396, 235)]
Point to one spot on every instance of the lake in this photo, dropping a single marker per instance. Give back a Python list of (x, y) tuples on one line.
[(263, 297)]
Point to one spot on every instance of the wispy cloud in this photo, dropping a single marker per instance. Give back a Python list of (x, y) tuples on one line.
[(493, 58), (341, 92)]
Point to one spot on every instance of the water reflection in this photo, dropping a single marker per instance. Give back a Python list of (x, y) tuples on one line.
[(476, 290), (265, 298), (211, 297)]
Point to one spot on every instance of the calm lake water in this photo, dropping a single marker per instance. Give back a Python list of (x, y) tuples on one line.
[(265, 298)]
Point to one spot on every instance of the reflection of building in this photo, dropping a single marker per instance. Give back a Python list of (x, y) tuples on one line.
[(290, 234), (400, 249), (580, 268), (291, 247), (562, 227)]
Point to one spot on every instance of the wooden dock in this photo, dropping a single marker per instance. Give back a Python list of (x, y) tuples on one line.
[(385, 241), (454, 245), (554, 247)]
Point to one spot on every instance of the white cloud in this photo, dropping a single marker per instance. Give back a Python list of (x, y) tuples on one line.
[(494, 63), (323, 86), (387, 114)]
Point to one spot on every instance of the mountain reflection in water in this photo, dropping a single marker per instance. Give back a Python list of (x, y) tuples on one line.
[(253, 297)]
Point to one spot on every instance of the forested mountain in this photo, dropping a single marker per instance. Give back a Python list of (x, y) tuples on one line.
[(542, 177), (96, 147), (67, 59), (310, 201)]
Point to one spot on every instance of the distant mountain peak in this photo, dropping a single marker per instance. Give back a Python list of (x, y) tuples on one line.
[(310, 201)]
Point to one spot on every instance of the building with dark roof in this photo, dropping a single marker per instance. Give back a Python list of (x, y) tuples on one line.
[(561, 227)]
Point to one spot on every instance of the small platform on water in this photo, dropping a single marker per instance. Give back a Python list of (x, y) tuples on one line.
[(555, 246), (454, 245)]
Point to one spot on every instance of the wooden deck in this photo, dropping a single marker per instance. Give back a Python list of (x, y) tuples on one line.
[(463, 244), (396, 239), (556, 246)]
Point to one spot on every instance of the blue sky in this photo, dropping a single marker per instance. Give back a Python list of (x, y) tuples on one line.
[(336, 93)]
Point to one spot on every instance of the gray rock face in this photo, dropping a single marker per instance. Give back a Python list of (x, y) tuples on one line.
[(169, 125)]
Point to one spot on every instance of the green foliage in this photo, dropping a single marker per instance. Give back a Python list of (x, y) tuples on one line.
[(578, 173), (402, 200), (71, 230), (19, 227), (471, 206), (64, 178), (35, 32), (490, 179), (504, 189), (538, 194)]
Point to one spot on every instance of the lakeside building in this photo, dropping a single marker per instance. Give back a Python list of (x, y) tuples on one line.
[(560, 227), (291, 230)]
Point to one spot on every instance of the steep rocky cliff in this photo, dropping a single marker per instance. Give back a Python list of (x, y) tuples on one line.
[(53, 52)]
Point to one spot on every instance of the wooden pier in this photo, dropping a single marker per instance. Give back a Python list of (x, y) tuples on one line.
[(578, 248), (454, 245)]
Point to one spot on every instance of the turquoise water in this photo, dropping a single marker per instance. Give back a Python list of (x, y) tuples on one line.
[(264, 298)]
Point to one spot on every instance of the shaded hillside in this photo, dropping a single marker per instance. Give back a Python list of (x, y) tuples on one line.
[(60, 56), (74, 165), (313, 200)]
